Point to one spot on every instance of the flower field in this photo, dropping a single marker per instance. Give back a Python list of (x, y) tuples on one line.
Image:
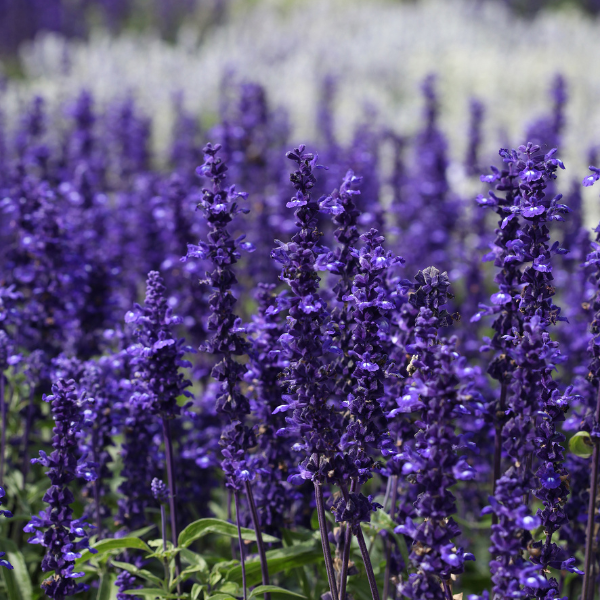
[(295, 310)]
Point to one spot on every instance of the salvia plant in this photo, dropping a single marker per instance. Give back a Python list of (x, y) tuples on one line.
[(382, 380)]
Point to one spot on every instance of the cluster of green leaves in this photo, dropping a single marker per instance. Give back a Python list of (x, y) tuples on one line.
[(296, 563), (213, 577)]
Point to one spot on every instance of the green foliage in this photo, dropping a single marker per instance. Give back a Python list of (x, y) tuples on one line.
[(211, 576), (107, 589), (282, 559), (202, 527), (259, 590), (104, 547)]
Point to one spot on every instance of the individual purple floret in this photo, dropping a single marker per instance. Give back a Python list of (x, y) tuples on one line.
[(444, 387), (54, 528), (591, 179)]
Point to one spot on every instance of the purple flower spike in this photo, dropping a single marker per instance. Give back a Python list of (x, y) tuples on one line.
[(529, 407), (158, 355), (54, 528), (311, 418), (440, 380), (220, 206)]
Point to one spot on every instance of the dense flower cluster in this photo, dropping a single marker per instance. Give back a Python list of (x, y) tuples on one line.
[(326, 391)]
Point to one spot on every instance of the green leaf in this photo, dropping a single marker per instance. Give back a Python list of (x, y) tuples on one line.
[(17, 581), (581, 444), (278, 560), (314, 521), (108, 545), (189, 571), (215, 577), (142, 573), (202, 527), (274, 589), (197, 589), (107, 590), (147, 593), (221, 597), (193, 558), (288, 540), (229, 587), (299, 535)]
